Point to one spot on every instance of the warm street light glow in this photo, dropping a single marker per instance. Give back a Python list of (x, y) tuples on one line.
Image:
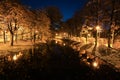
[(97, 27), (56, 34), (15, 57), (56, 42), (89, 35), (95, 64), (64, 44), (36, 31)]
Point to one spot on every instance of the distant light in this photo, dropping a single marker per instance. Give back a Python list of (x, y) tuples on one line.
[(56, 28), (89, 35), (90, 28), (36, 31), (19, 54), (64, 33), (111, 45), (9, 58), (64, 44), (56, 42), (56, 34)]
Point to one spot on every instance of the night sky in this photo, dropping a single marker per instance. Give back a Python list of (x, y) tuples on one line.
[(67, 7)]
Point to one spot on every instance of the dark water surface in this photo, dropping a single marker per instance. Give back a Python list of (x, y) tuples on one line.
[(52, 62)]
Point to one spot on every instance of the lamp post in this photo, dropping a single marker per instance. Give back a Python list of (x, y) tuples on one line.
[(97, 30)]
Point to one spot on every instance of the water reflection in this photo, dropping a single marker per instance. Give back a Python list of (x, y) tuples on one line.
[(17, 56), (52, 61)]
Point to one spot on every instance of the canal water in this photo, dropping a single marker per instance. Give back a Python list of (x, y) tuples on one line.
[(51, 62)]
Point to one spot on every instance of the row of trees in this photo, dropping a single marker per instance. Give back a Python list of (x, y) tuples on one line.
[(97, 12), (14, 15)]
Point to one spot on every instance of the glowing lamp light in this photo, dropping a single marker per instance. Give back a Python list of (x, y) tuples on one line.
[(111, 45), (64, 44), (56, 42), (36, 31), (64, 33), (97, 27), (14, 57), (89, 35), (95, 64), (56, 34)]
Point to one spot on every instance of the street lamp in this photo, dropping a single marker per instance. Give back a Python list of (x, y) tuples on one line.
[(97, 30), (97, 27)]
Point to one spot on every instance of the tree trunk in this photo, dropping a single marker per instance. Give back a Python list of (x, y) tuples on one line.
[(111, 31), (34, 37), (4, 37), (110, 38), (16, 35), (41, 37), (22, 36), (96, 41), (12, 39), (31, 35), (86, 38)]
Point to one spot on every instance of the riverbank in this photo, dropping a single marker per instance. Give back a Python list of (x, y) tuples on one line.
[(19, 46), (110, 56)]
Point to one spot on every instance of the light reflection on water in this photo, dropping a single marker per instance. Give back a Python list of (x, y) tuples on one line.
[(48, 62), (17, 56)]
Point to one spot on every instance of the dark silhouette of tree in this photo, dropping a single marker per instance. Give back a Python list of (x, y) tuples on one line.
[(55, 16)]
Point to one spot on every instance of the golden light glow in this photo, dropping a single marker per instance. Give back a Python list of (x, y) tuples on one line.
[(111, 45), (15, 57), (36, 31), (20, 54), (64, 33), (95, 64), (56, 41), (56, 34), (97, 27), (107, 45), (9, 58), (89, 35), (64, 44)]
